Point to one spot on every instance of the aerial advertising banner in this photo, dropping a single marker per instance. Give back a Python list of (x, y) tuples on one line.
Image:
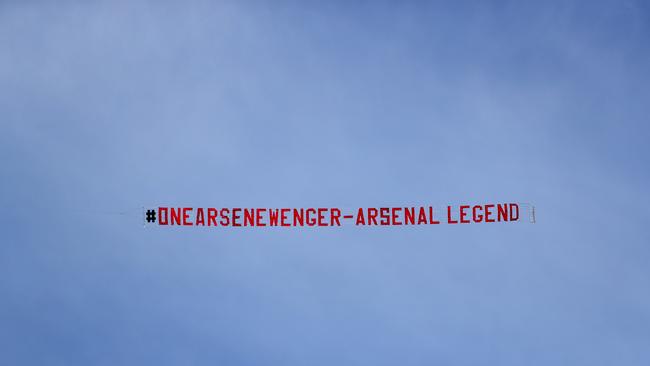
[(216, 217)]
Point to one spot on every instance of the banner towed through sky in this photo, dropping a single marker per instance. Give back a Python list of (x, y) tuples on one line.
[(337, 216)]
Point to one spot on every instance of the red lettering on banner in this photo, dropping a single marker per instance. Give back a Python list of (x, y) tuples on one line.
[(311, 219), (249, 217), (372, 216), (476, 216), (514, 212), (488, 213), (422, 217), (225, 217), (449, 220), (361, 220), (236, 217), (260, 219), (409, 216), (463, 214), (431, 217), (273, 217), (199, 217), (383, 216), (298, 217), (212, 216), (321, 217), (162, 210), (502, 212), (186, 216), (394, 216), (283, 217), (175, 216), (335, 215)]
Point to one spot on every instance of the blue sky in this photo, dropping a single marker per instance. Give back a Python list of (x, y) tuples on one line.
[(108, 106)]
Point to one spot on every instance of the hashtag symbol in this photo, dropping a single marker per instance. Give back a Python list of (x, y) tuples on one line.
[(151, 216)]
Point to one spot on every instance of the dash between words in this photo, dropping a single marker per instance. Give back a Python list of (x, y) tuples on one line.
[(332, 216)]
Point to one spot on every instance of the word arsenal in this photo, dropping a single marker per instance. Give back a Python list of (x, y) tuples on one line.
[(370, 216)]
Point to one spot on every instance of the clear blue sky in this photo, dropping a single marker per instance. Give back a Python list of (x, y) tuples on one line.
[(108, 106)]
